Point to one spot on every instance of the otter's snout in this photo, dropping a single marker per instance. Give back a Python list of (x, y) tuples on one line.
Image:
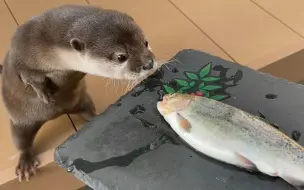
[(149, 65)]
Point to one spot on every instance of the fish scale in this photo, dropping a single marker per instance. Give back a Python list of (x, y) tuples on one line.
[(236, 137), (257, 129)]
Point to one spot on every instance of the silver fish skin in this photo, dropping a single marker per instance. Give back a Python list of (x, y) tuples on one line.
[(233, 136)]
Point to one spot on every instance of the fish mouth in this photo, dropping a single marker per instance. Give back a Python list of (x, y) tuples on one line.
[(163, 106), (160, 107), (173, 102)]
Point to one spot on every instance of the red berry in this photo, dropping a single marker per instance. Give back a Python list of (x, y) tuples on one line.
[(199, 93)]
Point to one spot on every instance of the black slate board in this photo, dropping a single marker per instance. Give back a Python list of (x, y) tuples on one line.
[(131, 147), (85, 188)]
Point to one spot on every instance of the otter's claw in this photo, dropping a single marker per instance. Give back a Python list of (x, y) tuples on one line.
[(26, 167)]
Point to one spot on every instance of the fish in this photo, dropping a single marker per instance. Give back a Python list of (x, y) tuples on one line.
[(233, 136)]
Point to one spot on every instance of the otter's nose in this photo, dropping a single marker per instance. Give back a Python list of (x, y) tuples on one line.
[(149, 65)]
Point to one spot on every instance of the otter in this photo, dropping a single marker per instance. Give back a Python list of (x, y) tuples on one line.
[(43, 71)]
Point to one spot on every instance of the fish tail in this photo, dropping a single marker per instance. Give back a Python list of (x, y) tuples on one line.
[(294, 180)]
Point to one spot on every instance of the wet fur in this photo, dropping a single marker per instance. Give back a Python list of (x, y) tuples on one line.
[(43, 71)]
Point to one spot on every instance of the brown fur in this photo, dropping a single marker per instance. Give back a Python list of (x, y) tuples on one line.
[(37, 86)]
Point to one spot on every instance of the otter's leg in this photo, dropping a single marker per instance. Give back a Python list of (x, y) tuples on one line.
[(85, 108), (23, 137)]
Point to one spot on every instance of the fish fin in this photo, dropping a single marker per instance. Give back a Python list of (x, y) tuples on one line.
[(183, 122), (266, 168), (245, 163), (297, 183)]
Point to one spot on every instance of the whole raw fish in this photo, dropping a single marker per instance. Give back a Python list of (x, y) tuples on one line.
[(233, 136)]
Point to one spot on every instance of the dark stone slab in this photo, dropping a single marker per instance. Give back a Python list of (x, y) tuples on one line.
[(130, 146), (85, 188)]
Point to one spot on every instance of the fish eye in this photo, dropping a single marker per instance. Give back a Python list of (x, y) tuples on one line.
[(122, 58)]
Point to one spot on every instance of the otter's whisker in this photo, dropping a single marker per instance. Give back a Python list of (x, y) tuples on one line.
[(166, 66), (162, 62), (134, 83), (120, 84), (127, 87), (131, 83), (116, 87), (176, 61), (106, 86), (112, 85), (172, 61), (108, 82)]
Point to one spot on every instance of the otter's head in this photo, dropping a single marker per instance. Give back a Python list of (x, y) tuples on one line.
[(111, 44)]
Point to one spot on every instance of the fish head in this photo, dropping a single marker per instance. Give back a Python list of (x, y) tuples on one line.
[(174, 102)]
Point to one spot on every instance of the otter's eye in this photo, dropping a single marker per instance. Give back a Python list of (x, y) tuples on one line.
[(122, 58), (146, 43)]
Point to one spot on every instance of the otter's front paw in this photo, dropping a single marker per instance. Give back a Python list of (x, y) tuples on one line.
[(27, 166)]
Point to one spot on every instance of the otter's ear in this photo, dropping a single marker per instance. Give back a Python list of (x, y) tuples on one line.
[(77, 44)]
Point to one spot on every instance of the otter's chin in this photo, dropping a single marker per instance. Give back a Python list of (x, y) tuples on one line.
[(146, 74)]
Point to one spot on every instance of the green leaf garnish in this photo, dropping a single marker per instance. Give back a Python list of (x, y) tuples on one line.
[(169, 90), (205, 70), (191, 76), (182, 82), (205, 93), (211, 87), (219, 97), (201, 86), (192, 84), (210, 79), (182, 89)]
